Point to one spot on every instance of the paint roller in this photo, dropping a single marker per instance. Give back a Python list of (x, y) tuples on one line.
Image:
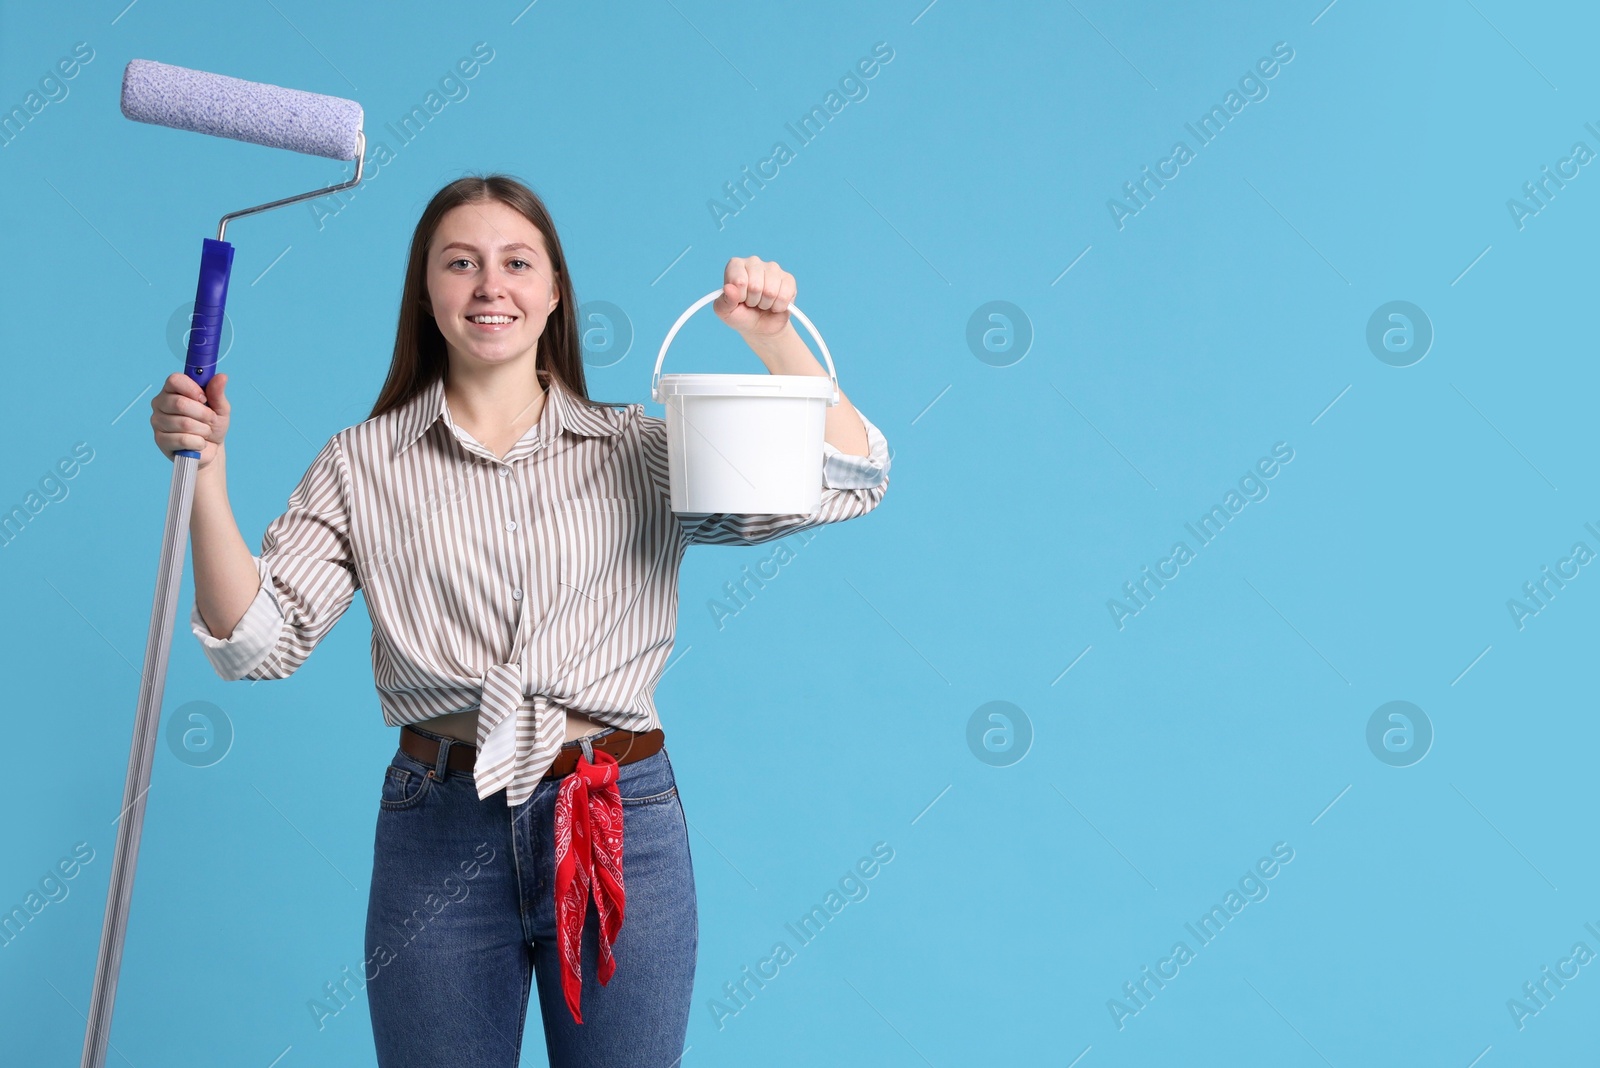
[(262, 114)]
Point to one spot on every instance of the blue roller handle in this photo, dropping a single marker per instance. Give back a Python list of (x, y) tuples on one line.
[(205, 327)]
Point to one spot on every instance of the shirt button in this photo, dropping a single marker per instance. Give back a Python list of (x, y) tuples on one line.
[(504, 472), (511, 524), (516, 594)]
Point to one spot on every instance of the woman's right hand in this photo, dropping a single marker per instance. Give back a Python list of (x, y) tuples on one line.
[(186, 417)]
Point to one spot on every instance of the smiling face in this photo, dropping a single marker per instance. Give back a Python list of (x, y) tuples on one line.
[(490, 284)]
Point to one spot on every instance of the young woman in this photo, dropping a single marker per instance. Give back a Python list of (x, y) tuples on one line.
[(519, 558)]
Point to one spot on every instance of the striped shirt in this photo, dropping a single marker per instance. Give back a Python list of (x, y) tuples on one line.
[(521, 586)]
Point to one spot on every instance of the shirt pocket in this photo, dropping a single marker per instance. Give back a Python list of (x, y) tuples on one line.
[(601, 546)]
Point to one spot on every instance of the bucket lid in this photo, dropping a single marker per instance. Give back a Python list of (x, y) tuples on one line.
[(692, 385)]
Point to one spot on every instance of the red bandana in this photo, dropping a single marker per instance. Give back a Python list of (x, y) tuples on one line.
[(588, 852)]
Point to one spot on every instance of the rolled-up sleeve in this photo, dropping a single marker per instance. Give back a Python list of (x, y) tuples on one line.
[(852, 486), (843, 470), (308, 579)]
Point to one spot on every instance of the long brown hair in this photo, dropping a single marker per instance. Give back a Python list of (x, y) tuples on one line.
[(420, 357)]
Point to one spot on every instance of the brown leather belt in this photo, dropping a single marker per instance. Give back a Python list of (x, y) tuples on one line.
[(625, 746)]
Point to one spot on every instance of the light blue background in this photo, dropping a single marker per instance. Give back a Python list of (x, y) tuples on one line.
[(832, 713)]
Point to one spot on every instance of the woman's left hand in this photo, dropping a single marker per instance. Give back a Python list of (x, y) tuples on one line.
[(756, 295)]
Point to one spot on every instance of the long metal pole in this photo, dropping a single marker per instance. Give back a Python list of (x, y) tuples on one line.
[(141, 756)]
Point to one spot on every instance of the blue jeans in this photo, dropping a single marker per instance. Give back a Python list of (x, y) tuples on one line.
[(461, 919)]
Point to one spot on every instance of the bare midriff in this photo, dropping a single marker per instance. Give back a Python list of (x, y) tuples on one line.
[(463, 726)]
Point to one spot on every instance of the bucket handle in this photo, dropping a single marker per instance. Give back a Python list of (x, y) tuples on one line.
[(655, 378)]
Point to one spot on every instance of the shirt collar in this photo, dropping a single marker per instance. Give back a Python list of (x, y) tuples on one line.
[(564, 411)]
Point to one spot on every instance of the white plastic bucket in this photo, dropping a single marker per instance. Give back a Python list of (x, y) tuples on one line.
[(745, 443)]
